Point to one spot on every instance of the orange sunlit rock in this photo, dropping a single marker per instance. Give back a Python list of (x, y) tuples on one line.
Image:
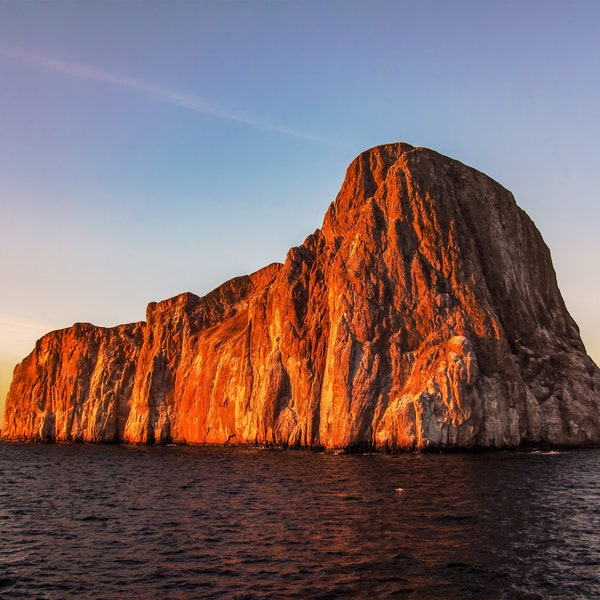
[(424, 313)]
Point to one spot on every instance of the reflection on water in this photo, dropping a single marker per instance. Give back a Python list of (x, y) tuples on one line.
[(136, 522)]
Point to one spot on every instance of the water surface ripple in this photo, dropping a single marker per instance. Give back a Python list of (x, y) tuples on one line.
[(84, 521)]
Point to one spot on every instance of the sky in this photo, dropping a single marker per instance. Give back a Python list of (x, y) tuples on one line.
[(149, 148)]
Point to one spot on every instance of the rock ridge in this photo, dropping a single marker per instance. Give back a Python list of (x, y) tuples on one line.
[(424, 313)]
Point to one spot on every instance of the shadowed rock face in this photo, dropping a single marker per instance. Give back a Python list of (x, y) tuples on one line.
[(424, 313)]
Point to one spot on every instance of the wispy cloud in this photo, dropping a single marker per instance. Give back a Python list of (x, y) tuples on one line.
[(183, 99), (17, 337), (15, 328)]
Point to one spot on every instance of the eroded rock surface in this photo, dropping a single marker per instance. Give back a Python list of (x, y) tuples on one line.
[(424, 313)]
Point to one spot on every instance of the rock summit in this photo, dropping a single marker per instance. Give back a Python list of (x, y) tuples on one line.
[(424, 313)]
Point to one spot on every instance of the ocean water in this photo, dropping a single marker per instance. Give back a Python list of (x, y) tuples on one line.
[(85, 521)]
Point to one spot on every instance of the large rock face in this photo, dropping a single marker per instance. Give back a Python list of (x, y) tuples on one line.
[(424, 313)]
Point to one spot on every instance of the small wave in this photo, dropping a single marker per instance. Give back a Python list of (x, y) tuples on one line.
[(6, 582)]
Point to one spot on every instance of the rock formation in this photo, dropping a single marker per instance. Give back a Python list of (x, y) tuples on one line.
[(424, 313)]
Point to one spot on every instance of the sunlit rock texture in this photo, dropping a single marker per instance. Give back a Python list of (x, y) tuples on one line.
[(423, 314)]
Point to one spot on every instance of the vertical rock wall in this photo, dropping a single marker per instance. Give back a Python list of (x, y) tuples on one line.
[(424, 313)]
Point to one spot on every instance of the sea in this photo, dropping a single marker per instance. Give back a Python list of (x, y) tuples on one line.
[(111, 521)]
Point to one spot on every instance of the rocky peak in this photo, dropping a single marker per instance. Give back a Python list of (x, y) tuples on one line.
[(424, 313)]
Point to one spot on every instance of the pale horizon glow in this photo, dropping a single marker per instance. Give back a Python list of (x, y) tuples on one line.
[(155, 148)]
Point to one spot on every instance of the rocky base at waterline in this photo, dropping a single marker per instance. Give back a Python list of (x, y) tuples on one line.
[(423, 314)]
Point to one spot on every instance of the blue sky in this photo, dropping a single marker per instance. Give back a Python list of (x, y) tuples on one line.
[(149, 148)]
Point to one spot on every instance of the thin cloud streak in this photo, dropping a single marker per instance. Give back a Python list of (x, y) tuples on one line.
[(16, 328), (17, 339), (175, 97)]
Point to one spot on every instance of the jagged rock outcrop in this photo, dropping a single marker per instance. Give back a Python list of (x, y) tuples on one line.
[(424, 313), (75, 385)]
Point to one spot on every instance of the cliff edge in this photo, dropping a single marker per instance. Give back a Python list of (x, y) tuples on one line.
[(424, 313)]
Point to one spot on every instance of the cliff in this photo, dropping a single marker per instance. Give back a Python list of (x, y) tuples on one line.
[(424, 313)]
